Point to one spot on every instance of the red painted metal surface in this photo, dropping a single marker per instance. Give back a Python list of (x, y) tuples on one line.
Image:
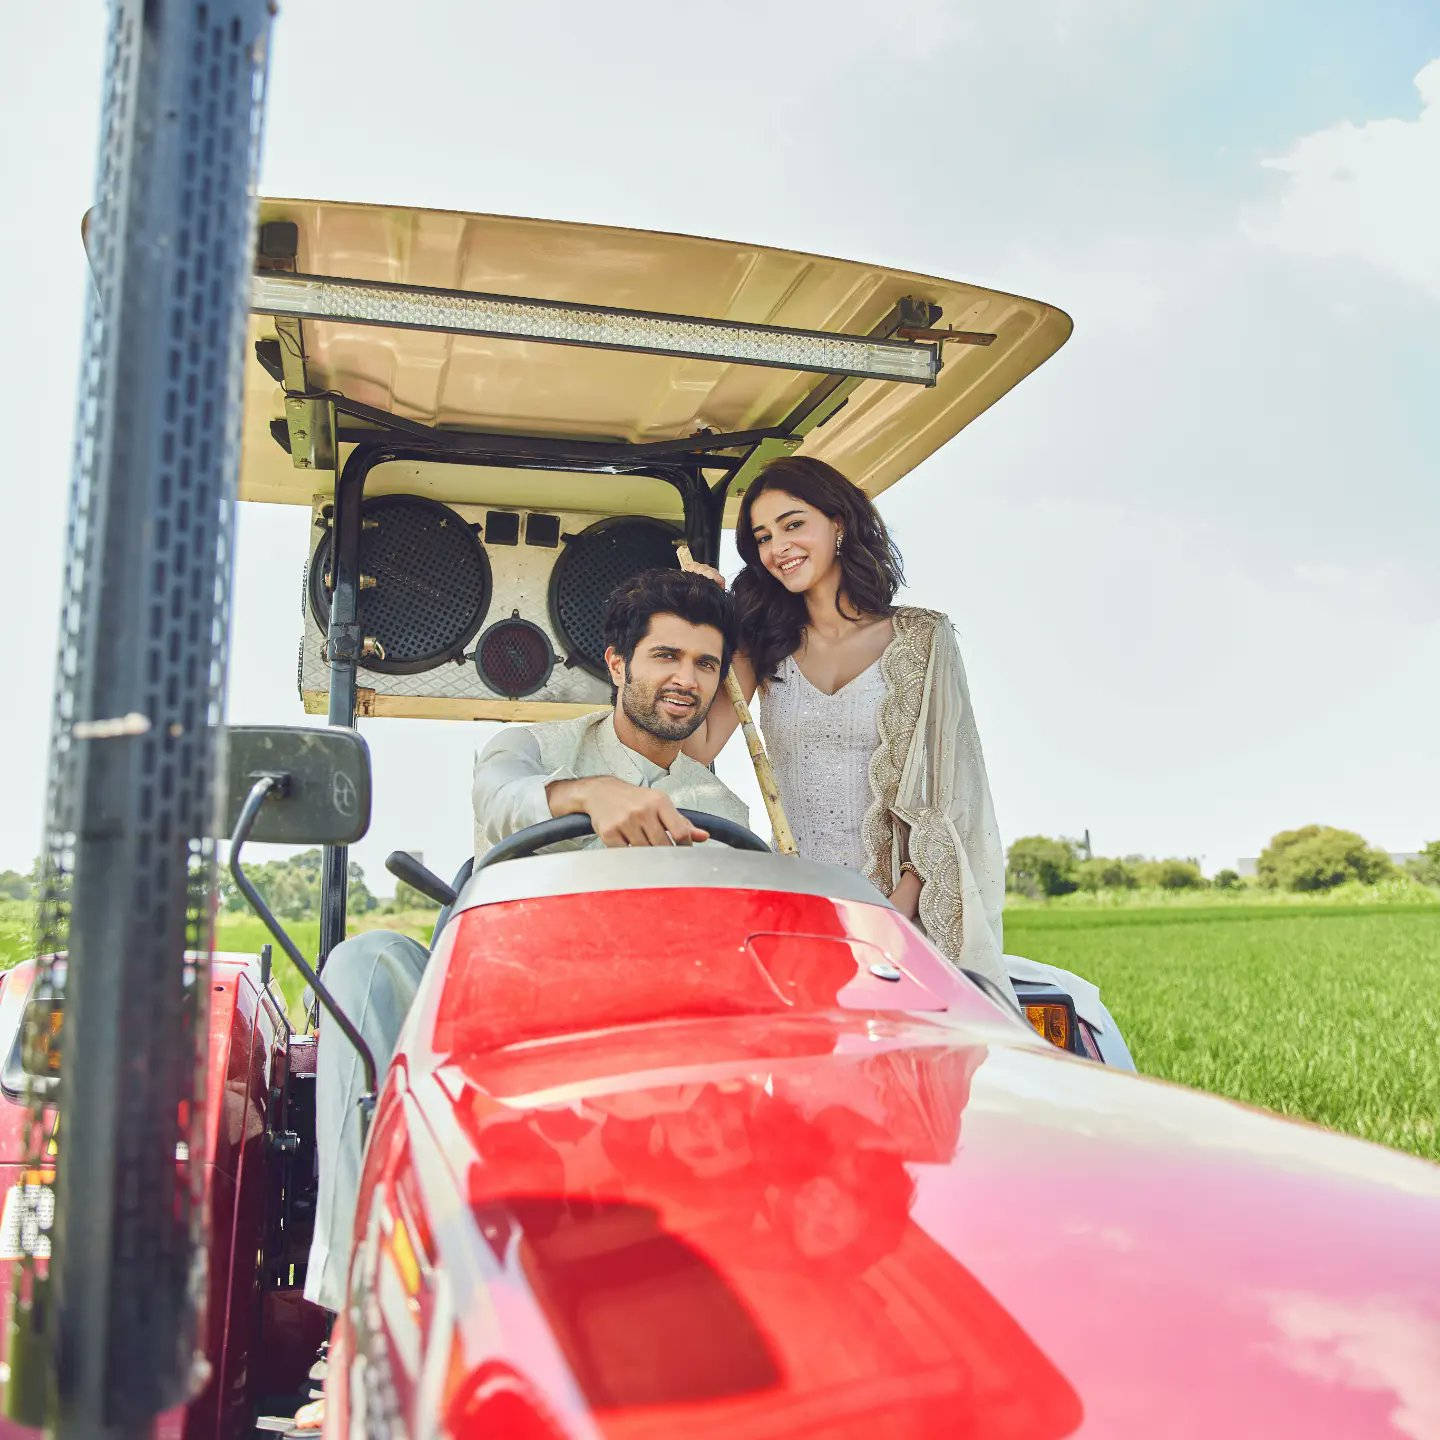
[(660, 1163), (636, 1173), (248, 1053), (249, 1032)]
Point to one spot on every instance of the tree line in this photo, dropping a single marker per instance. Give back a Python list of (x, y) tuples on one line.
[(1313, 857), (291, 888)]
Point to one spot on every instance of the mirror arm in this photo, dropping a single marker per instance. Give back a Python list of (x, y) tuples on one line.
[(265, 786)]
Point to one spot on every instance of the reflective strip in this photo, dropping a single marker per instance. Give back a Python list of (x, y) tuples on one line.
[(371, 302)]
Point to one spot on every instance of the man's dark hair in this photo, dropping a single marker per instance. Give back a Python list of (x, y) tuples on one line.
[(636, 601)]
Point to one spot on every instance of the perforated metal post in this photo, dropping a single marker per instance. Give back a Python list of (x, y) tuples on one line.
[(128, 880)]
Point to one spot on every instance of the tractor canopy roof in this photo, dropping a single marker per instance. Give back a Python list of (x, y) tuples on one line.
[(587, 350)]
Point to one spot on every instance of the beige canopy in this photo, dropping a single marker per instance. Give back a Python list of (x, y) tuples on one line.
[(523, 387)]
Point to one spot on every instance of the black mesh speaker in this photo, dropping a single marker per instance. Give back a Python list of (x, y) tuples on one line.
[(514, 657), (592, 564), (432, 583)]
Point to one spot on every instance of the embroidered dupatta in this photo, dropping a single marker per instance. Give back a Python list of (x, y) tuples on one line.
[(928, 774)]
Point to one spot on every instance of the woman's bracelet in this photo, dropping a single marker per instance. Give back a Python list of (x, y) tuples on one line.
[(908, 868)]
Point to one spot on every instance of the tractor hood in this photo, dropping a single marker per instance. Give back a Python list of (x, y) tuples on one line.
[(857, 1229), (724, 1159), (840, 1226)]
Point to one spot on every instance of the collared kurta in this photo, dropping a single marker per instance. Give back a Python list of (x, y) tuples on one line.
[(512, 771)]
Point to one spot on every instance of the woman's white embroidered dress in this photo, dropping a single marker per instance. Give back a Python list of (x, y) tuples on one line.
[(820, 746), (898, 748)]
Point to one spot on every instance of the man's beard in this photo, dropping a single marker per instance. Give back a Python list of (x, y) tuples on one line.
[(641, 707)]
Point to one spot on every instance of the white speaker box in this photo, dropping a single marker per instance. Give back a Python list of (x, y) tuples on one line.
[(526, 588)]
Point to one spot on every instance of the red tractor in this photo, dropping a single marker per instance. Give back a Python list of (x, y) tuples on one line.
[(704, 1142)]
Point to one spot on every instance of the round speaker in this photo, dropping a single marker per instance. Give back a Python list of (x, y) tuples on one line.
[(514, 657), (432, 583), (592, 564)]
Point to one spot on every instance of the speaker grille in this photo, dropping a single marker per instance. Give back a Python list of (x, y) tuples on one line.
[(432, 583), (592, 564), (514, 657)]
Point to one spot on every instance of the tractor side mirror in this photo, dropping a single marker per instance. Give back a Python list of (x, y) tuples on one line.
[(297, 786), (321, 790)]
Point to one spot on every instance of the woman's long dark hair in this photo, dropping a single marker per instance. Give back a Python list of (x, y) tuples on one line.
[(772, 620)]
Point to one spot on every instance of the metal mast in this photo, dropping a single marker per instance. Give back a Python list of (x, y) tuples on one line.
[(108, 1340)]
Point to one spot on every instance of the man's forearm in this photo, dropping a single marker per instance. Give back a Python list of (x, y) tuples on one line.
[(569, 797)]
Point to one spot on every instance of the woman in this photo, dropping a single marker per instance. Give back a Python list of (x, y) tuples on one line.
[(865, 710)]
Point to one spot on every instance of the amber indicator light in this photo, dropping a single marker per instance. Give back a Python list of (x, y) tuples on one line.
[(1052, 1022)]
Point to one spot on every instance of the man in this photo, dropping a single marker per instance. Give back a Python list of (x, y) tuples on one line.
[(669, 637), (668, 650)]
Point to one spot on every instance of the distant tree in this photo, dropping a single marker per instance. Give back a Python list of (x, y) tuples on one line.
[(1038, 865), (1181, 875), (1226, 880), (1169, 874), (360, 899), (14, 885), (407, 897), (1425, 867), (1318, 857), (291, 887), (1105, 873), (231, 899)]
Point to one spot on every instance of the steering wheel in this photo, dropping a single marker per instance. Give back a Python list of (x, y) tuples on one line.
[(573, 827)]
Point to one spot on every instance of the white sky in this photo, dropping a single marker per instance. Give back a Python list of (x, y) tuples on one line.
[(1191, 561)]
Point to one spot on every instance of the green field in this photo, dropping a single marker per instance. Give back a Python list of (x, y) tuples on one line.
[(15, 918), (1321, 1009), (244, 933)]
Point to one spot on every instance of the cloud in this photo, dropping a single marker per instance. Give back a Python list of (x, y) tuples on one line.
[(1381, 1344), (1363, 192)]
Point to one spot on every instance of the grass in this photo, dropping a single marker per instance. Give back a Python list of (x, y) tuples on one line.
[(245, 932), (15, 923), (1322, 1011), (1322, 1008), (237, 932)]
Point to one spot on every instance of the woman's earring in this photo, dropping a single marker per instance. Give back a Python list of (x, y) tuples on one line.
[(839, 536)]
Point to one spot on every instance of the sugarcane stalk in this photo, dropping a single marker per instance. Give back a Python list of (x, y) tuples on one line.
[(764, 771)]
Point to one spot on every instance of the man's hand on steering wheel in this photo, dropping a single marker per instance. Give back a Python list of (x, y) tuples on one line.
[(623, 814)]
